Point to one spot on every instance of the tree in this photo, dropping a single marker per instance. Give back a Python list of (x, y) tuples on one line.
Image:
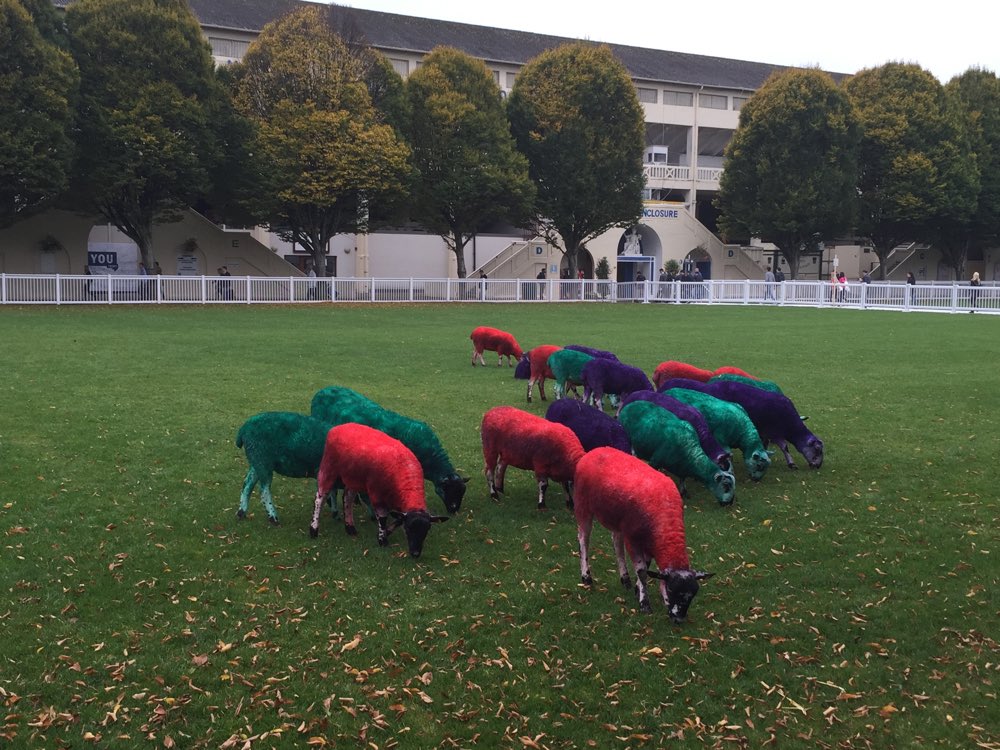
[(791, 167), (38, 86), (977, 93), (575, 114), (467, 171), (149, 102), (917, 172), (331, 160)]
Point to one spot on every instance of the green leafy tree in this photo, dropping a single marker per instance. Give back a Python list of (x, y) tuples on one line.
[(575, 114), (332, 162), (467, 171), (791, 167), (149, 103), (38, 86), (977, 93), (917, 171)]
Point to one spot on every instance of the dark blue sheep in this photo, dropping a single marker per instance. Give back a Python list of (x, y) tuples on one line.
[(597, 353), (774, 415), (594, 428), (610, 376)]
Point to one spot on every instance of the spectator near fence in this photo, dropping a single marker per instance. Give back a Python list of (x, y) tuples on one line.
[(974, 292), (769, 284)]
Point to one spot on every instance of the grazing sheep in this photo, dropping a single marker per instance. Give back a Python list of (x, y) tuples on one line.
[(567, 366), (773, 414), (673, 369), (534, 367), (598, 353), (494, 340), (732, 426), (338, 405), (512, 437), (610, 376), (669, 443), (712, 447), (366, 460), (278, 441), (764, 385), (643, 510), (594, 428)]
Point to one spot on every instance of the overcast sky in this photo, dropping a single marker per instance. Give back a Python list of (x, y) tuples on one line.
[(946, 38)]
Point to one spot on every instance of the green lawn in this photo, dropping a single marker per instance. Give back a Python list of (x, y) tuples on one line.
[(853, 607)]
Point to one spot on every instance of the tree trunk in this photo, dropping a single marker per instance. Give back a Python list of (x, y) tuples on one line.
[(144, 239), (459, 248)]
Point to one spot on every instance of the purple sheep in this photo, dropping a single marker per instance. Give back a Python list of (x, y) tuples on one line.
[(688, 413), (610, 376), (594, 428), (773, 414)]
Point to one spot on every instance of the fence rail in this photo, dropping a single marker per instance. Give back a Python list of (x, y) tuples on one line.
[(28, 289)]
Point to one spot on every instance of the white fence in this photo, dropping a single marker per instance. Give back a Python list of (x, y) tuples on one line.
[(25, 289)]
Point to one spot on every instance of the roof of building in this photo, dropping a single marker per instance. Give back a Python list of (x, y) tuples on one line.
[(412, 34)]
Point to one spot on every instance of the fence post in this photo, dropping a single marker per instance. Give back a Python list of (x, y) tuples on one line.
[(58, 290), (411, 289), (3, 287), (204, 295)]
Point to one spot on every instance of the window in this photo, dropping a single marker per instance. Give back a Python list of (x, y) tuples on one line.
[(228, 47), (510, 80), (713, 101), (678, 98), (400, 66), (739, 101), (496, 77), (646, 96)]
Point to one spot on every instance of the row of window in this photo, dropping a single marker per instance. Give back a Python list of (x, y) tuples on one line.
[(236, 49), (686, 99)]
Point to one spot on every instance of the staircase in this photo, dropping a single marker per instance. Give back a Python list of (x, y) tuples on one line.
[(898, 256), (513, 262)]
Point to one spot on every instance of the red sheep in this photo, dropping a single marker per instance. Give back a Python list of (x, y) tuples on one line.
[(643, 510), (512, 437), (672, 369), (539, 359), (363, 459), (494, 340)]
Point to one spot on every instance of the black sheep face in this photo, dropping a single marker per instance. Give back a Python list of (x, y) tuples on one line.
[(416, 524), (725, 487), (812, 450), (451, 491), (682, 587)]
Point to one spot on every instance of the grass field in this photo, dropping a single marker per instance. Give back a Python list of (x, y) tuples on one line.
[(852, 607)]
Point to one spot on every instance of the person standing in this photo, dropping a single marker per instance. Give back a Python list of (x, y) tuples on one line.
[(769, 284), (974, 292), (311, 273), (911, 282)]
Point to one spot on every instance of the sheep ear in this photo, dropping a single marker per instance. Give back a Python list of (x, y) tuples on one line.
[(803, 418), (660, 576), (701, 575), (439, 519), (397, 515), (465, 480)]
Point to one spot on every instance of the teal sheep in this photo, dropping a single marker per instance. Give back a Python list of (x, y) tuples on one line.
[(671, 444), (567, 369), (283, 442), (337, 405), (732, 427)]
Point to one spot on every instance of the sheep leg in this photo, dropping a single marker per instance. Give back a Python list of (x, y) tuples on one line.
[(543, 485), (489, 482), (618, 541), (265, 496), (248, 485), (531, 385), (349, 526), (498, 475), (559, 388), (568, 486), (383, 531), (640, 586), (541, 387), (783, 446), (318, 507), (583, 528)]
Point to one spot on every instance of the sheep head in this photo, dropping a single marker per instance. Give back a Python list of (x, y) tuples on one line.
[(523, 369), (416, 524), (812, 449), (758, 463), (724, 487), (451, 490), (679, 588)]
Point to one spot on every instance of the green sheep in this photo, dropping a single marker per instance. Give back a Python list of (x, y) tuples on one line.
[(671, 444), (732, 427), (567, 368), (764, 385)]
